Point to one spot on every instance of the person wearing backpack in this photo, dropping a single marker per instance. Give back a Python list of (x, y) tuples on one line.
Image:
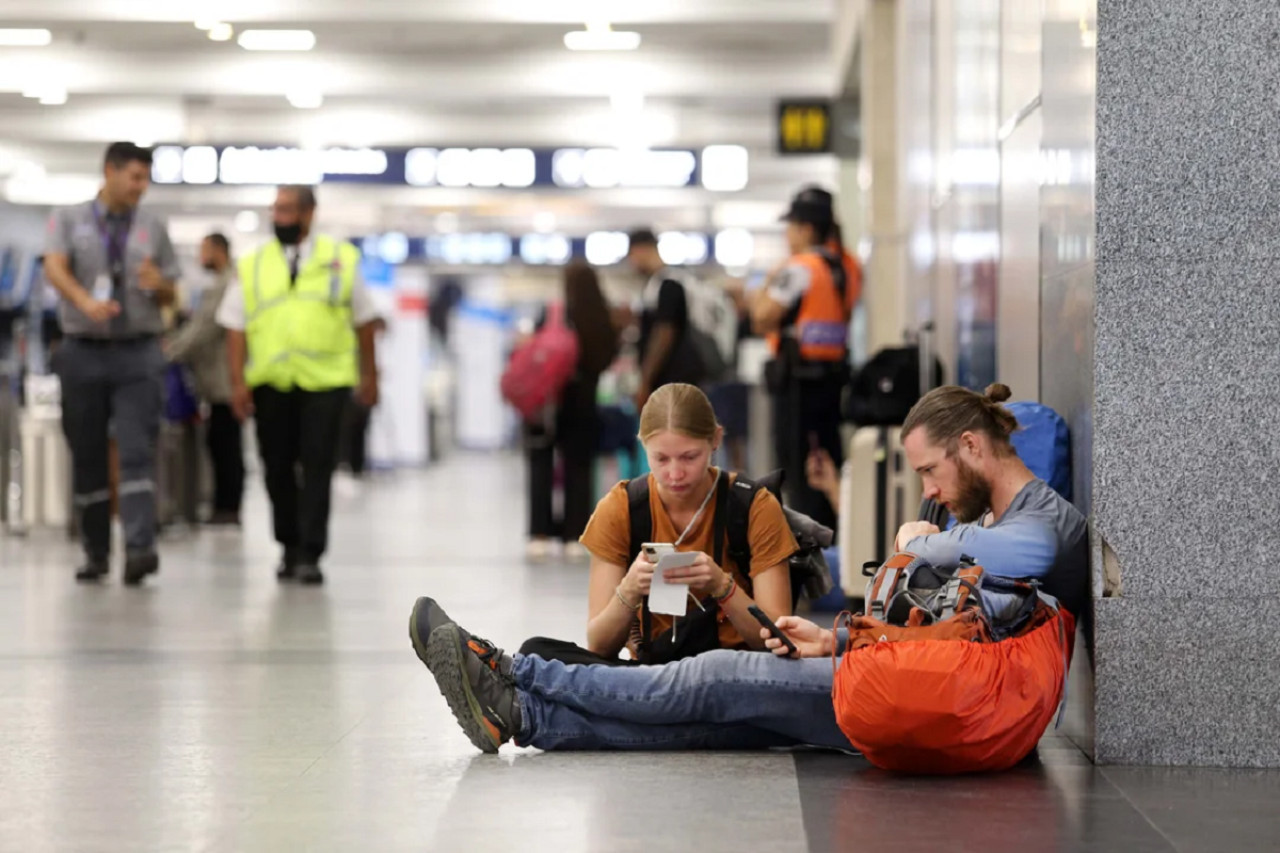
[(572, 425), (668, 353), (805, 311), (957, 439), (686, 502)]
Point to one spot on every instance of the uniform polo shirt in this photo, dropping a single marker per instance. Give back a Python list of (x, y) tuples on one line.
[(76, 232)]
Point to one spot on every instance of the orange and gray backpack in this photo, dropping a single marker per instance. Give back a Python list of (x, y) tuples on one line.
[(952, 670)]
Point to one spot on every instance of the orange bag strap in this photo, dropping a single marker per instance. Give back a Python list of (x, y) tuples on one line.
[(884, 584)]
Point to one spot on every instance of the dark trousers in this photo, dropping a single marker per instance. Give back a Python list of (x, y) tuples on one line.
[(807, 414), (116, 383), (578, 468), (576, 437), (298, 438), (225, 440)]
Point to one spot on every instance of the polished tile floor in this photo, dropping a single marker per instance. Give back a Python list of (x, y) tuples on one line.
[(216, 711)]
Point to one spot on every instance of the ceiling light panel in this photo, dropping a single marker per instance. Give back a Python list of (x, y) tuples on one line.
[(25, 38), (601, 40), (290, 40)]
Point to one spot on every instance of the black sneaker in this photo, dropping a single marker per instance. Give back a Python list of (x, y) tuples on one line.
[(475, 678), (138, 565), (309, 574), (93, 571)]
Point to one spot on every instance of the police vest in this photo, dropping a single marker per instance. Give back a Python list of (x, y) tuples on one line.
[(299, 332), (820, 323)]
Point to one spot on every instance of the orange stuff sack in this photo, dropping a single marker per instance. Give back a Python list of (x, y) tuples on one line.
[(945, 706)]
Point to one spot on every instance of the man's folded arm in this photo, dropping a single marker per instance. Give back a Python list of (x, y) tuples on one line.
[(1019, 549)]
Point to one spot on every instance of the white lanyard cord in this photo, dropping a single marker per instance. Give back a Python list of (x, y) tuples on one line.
[(692, 524), (698, 515)]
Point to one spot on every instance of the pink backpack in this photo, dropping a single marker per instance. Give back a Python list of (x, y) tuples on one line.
[(541, 366)]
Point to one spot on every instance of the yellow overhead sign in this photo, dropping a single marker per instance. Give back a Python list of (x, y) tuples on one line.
[(804, 127)]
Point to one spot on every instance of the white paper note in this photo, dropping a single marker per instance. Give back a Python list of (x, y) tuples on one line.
[(670, 598)]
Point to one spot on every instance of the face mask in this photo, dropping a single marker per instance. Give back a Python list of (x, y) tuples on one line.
[(289, 235)]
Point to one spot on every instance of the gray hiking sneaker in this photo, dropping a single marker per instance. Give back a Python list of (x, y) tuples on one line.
[(427, 615), (475, 678)]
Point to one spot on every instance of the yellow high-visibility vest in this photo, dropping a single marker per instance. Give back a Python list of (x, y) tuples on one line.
[(299, 333)]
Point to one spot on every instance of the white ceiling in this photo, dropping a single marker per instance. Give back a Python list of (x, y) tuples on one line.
[(420, 73)]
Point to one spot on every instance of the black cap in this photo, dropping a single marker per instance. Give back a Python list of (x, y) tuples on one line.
[(812, 205)]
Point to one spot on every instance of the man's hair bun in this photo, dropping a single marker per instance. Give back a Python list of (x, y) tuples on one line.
[(998, 392)]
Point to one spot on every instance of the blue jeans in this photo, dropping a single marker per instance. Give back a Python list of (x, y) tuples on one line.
[(718, 700)]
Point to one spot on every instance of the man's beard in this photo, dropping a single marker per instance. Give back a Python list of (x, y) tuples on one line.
[(974, 497)]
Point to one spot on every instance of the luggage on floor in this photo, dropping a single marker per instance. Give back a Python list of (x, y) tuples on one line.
[(178, 469), (951, 683), (43, 471), (883, 390), (879, 494)]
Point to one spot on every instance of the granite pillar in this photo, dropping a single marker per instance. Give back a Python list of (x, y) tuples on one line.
[(1186, 451)]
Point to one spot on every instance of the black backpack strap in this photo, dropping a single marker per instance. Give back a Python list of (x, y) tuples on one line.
[(738, 522), (719, 527), (639, 514), (838, 273), (640, 517)]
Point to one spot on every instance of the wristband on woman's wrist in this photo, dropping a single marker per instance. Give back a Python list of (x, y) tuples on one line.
[(634, 608), (728, 592)]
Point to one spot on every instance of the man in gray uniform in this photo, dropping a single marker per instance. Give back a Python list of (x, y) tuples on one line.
[(114, 267)]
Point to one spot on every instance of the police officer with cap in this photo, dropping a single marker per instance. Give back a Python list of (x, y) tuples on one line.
[(114, 267), (805, 310)]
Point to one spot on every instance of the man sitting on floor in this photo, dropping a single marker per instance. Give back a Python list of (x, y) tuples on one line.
[(956, 439)]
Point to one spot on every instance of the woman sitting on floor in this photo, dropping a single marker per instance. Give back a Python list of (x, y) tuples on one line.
[(679, 432)]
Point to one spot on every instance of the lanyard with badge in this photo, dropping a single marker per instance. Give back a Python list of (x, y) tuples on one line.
[(108, 284)]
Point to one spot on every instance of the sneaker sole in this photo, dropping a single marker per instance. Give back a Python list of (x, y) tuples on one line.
[(444, 659)]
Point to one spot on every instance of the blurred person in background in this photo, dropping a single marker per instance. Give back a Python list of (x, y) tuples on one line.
[(354, 444), (114, 267), (300, 336), (50, 327), (574, 426), (201, 345), (805, 309), (666, 355)]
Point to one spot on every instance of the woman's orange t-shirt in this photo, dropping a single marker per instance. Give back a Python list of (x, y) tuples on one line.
[(608, 538)]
